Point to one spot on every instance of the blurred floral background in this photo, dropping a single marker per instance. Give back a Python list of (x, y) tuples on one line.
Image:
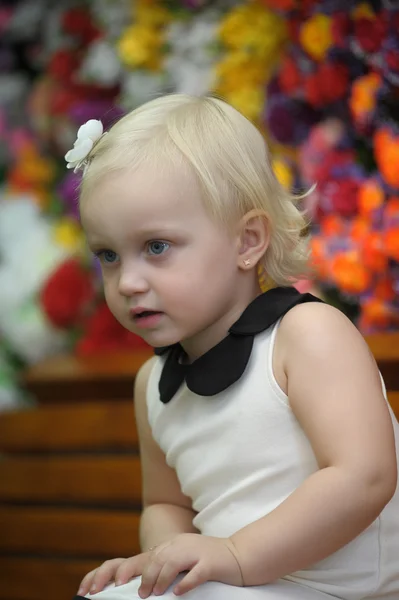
[(319, 78)]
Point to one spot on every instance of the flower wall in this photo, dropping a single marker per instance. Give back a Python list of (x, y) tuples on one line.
[(318, 78), (335, 99)]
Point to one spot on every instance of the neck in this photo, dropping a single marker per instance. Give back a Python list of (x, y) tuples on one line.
[(206, 339)]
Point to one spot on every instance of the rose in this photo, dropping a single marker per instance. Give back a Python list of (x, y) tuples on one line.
[(66, 294)]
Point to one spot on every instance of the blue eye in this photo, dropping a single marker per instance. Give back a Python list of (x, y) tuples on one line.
[(108, 257), (156, 248)]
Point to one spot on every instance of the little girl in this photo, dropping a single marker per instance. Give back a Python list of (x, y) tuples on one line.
[(267, 445)]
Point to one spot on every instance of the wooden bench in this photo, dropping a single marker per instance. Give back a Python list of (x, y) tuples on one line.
[(70, 472), (69, 476)]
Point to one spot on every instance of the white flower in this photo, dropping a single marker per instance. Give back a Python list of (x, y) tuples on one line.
[(28, 333), (113, 16), (189, 65), (101, 64), (139, 87), (88, 135), (28, 251)]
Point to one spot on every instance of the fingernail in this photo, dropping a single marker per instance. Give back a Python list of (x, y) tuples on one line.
[(93, 589), (118, 582), (80, 591)]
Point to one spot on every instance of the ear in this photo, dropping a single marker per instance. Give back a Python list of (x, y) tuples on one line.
[(254, 238)]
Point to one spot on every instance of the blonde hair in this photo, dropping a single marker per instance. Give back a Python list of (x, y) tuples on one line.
[(230, 159)]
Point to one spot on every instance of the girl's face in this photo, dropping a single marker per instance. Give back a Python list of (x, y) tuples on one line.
[(170, 273)]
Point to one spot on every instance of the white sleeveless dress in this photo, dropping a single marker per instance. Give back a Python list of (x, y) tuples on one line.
[(238, 455)]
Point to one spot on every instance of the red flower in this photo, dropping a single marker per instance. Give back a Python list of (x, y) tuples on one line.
[(281, 4), (63, 65), (328, 84), (343, 195), (290, 76), (370, 33), (392, 59), (313, 91), (334, 78), (105, 334), (67, 293), (62, 99), (78, 22), (341, 28)]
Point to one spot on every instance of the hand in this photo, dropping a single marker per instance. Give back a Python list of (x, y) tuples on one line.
[(205, 558), (120, 570)]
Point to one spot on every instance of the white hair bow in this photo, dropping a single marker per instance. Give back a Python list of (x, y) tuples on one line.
[(88, 135)]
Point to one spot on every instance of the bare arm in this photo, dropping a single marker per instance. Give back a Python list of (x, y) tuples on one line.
[(335, 392), (167, 512)]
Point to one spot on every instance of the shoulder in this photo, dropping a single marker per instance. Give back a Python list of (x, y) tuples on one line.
[(318, 337), (319, 329)]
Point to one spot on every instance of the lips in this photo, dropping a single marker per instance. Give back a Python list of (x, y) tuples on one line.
[(146, 313), (146, 319), (142, 314)]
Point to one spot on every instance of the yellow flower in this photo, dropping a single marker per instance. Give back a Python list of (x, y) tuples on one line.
[(141, 46), (248, 100), (316, 36), (151, 14), (240, 69), (363, 10), (283, 173), (253, 28), (68, 234)]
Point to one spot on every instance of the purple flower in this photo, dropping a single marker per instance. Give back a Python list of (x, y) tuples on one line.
[(288, 120), (68, 191), (103, 110), (193, 3)]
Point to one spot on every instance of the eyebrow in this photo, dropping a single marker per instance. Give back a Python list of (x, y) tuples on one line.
[(150, 232)]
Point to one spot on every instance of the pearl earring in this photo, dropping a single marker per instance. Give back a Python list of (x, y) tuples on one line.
[(247, 262)]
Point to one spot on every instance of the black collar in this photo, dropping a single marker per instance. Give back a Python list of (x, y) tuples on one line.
[(225, 363)]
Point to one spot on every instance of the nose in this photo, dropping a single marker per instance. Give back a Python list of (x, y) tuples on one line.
[(132, 281)]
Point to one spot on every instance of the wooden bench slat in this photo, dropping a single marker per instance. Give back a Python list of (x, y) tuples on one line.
[(93, 426), (69, 532), (73, 379), (41, 578), (77, 479)]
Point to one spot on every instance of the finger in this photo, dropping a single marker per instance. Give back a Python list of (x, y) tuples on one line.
[(197, 576), (166, 577), (105, 574), (150, 575), (131, 567), (85, 584)]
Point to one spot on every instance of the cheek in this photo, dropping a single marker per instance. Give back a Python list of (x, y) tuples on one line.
[(110, 291)]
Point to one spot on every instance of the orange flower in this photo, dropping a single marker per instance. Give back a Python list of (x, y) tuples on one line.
[(392, 207), (373, 254), (391, 213), (384, 290), (359, 228), (370, 197), (391, 242), (386, 152), (332, 225), (377, 313), (363, 96), (349, 273), (318, 260)]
